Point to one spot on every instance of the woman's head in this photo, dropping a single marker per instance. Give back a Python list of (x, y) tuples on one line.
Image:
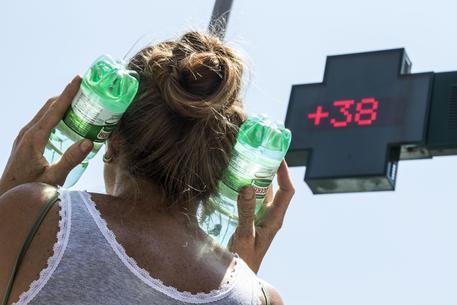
[(181, 127)]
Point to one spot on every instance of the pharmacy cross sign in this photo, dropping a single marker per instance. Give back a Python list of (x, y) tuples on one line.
[(348, 130)]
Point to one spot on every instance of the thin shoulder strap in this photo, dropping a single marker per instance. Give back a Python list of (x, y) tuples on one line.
[(265, 294), (42, 214)]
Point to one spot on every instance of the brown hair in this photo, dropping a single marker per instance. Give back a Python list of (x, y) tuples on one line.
[(181, 127)]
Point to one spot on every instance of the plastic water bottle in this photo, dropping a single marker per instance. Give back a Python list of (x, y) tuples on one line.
[(106, 90), (260, 147)]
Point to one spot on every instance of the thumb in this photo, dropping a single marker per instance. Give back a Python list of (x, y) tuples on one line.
[(246, 212), (73, 156)]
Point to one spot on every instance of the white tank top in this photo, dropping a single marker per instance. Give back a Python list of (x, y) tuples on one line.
[(89, 267)]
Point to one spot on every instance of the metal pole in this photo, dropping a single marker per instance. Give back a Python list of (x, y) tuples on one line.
[(220, 17)]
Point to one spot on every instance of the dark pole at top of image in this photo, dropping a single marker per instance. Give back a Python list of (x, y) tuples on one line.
[(220, 17)]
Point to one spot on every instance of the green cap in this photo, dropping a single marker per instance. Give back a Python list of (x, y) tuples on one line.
[(112, 81), (261, 131)]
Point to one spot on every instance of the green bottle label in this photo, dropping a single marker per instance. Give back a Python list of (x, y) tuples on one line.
[(89, 119), (261, 184), (240, 173)]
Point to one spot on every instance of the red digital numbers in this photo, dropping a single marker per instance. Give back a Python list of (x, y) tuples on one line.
[(365, 113), (368, 113), (344, 107)]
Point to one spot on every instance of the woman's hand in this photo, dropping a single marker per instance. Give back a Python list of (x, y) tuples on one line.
[(252, 241), (26, 162)]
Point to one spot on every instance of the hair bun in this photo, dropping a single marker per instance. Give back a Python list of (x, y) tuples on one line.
[(198, 76), (188, 109)]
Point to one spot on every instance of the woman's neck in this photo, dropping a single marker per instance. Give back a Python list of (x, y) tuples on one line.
[(147, 199)]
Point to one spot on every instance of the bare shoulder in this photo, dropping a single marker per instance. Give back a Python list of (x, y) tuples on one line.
[(273, 294), (21, 204), (19, 208)]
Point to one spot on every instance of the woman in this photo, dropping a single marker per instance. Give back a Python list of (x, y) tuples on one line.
[(140, 243)]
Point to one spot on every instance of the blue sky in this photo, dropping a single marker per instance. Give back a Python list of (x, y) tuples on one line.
[(377, 248)]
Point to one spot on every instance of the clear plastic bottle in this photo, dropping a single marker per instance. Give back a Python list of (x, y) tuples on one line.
[(106, 90), (260, 147)]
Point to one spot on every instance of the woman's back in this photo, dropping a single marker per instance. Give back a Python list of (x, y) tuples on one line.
[(163, 162), (90, 266)]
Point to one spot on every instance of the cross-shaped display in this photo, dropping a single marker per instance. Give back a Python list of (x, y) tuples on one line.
[(349, 129)]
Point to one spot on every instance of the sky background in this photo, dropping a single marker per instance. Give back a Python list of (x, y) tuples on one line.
[(355, 249)]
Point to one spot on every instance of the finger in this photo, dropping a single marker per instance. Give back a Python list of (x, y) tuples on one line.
[(246, 212), (281, 200), (36, 118), (41, 112), (269, 195), (265, 208), (57, 109), (73, 156)]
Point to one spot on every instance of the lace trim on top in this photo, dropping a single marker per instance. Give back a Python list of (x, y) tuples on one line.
[(58, 250), (157, 284)]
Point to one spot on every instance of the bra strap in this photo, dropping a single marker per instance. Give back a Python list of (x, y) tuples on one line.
[(265, 294)]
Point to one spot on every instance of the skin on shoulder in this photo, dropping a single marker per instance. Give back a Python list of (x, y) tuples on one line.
[(19, 209), (273, 294)]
